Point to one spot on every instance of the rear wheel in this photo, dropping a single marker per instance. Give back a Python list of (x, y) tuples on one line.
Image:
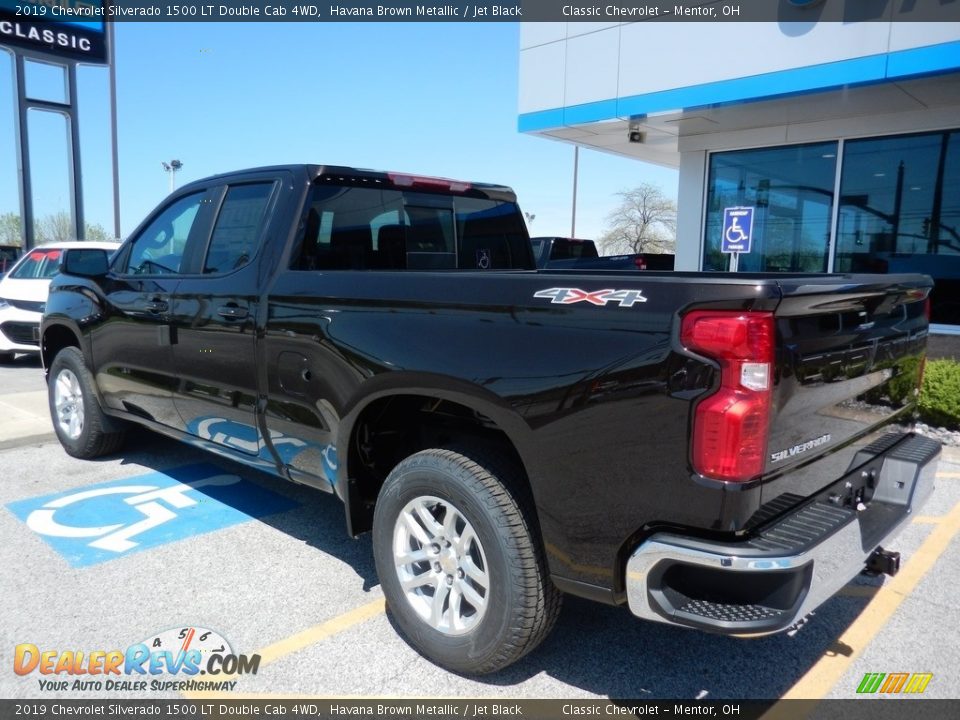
[(460, 562), (6, 357), (81, 426)]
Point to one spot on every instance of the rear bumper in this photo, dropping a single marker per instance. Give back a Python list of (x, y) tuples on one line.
[(794, 564)]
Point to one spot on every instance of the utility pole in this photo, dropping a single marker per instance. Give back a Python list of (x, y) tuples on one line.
[(113, 131), (172, 167)]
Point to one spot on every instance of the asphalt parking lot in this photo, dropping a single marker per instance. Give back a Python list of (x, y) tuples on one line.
[(267, 567)]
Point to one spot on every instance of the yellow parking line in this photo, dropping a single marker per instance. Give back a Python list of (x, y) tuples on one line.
[(310, 636), (313, 635), (827, 671)]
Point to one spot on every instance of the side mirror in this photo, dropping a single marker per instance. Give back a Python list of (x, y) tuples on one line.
[(85, 262)]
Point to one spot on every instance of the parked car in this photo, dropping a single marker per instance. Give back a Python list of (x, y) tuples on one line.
[(23, 294), (675, 443)]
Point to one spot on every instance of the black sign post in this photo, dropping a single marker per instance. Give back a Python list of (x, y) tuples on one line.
[(34, 34)]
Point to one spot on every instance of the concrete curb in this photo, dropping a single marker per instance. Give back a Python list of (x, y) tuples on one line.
[(950, 455)]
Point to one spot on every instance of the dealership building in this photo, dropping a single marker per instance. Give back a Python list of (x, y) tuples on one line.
[(840, 139)]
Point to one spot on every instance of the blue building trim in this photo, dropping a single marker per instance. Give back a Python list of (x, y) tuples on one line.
[(855, 71), (541, 120), (918, 61), (783, 82)]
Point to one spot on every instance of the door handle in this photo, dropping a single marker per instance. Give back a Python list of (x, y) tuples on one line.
[(156, 306), (232, 312)]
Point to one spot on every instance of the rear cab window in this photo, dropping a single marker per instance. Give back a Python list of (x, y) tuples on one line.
[(572, 249), (347, 227)]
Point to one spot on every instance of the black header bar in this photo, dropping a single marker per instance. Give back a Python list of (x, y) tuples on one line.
[(218, 706), (804, 11)]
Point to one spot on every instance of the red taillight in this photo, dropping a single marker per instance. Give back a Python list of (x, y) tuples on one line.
[(401, 180), (730, 427)]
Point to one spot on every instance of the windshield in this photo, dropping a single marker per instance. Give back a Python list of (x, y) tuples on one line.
[(39, 264)]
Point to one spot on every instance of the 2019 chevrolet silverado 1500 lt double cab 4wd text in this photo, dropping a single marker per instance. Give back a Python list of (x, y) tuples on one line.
[(680, 443)]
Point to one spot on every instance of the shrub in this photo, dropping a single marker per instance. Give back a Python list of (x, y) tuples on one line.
[(940, 394), (902, 386)]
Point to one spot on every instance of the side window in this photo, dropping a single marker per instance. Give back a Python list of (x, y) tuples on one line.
[(237, 230), (159, 249)]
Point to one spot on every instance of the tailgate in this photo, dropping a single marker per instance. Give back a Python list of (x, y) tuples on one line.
[(849, 358)]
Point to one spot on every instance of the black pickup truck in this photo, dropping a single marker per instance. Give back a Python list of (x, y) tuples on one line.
[(685, 444)]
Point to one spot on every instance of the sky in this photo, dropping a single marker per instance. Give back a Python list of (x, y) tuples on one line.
[(431, 98)]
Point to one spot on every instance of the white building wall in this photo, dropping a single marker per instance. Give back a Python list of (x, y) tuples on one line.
[(689, 248), (597, 62)]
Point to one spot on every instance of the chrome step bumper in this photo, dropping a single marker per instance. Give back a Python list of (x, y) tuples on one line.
[(792, 565)]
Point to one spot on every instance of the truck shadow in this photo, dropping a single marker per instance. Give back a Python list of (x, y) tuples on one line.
[(599, 649), (619, 656), (318, 520)]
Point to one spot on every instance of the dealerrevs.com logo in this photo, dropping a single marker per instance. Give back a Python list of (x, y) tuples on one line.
[(169, 661)]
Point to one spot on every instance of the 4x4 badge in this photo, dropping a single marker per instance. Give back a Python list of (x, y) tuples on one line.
[(569, 296)]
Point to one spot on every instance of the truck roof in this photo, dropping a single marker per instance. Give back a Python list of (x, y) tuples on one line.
[(365, 176)]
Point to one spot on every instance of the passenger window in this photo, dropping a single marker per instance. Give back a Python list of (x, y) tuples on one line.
[(159, 249), (237, 230)]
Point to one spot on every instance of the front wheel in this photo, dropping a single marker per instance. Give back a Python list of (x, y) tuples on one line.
[(460, 562), (81, 426)]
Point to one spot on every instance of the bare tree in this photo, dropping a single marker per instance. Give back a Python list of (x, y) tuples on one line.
[(645, 222), (56, 226), (59, 226)]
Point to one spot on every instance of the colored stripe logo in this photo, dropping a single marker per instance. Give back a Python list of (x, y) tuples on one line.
[(893, 683)]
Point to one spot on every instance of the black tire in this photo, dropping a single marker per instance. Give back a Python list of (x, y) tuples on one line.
[(6, 357), (520, 605), (98, 434)]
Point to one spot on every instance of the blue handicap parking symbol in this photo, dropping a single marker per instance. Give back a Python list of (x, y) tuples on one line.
[(737, 230), (96, 523)]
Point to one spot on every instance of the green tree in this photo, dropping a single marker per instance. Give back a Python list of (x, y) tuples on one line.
[(98, 232), (10, 229), (644, 222)]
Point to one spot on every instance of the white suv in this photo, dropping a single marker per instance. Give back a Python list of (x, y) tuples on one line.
[(23, 293)]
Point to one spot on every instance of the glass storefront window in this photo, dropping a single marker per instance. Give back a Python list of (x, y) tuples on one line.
[(900, 212), (791, 189)]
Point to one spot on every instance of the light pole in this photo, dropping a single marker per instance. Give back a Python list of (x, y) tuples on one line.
[(172, 167), (573, 213)]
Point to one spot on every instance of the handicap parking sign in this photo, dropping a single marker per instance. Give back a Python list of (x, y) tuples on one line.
[(737, 230), (96, 523)]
